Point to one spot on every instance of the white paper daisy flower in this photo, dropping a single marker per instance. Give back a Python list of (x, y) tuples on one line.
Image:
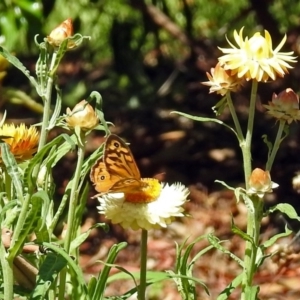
[(136, 211)]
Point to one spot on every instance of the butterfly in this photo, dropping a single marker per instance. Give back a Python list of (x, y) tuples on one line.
[(116, 171)]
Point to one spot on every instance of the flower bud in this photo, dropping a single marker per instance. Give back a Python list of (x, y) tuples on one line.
[(260, 182), (44, 176), (60, 33), (221, 82), (83, 116), (284, 106)]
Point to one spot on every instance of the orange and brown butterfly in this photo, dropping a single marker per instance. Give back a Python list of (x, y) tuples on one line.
[(116, 171)]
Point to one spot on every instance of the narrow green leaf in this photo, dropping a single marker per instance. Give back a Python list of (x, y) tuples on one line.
[(15, 61), (102, 279), (12, 170), (216, 243), (203, 119), (285, 208), (274, 238), (63, 143), (96, 96), (41, 68), (31, 220), (82, 237), (224, 295), (240, 233)]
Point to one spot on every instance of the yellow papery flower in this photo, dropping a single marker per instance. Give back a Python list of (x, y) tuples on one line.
[(255, 58), (23, 141), (221, 82)]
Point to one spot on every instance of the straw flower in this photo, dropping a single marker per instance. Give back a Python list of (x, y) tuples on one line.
[(284, 106), (60, 33), (23, 141), (260, 182), (83, 116), (221, 82), (154, 207), (254, 58)]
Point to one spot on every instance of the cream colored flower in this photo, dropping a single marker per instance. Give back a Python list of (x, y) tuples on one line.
[(23, 141), (260, 183), (83, 116), (284, 106), (221, 82), (254, 58), (145, 215)]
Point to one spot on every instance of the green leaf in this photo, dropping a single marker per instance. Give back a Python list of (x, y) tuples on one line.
[(220, 106), (240, 233), (230, 287), (274, 238), (48, 272), (61, 144), (74, 267), (15, 61), (31, 220), (183, 277), (103, 276), (92, 285), (285, 208), (41, 67), (202, 119), (12, 170), (213, 240), (268, 143), (82, 237), (98, 108)]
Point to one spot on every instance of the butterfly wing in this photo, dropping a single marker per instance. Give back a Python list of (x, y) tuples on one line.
[(119, 160), (116, 171)]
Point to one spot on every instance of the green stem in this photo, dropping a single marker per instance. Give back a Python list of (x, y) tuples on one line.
[(254, 215), (47, 105), (71, 214), (246, 146), (7, 271), (143, 271), (254, 219), (235, 118), (276, 145)]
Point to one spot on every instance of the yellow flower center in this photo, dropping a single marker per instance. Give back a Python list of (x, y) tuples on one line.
[(149, 193)]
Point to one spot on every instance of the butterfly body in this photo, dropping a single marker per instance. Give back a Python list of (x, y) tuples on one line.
[(116, 171)]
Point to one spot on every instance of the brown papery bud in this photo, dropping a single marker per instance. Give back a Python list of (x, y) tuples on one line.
[(60, 33), (83, 115)]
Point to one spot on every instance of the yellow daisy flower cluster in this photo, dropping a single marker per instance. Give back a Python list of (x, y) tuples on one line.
[(23, 141)]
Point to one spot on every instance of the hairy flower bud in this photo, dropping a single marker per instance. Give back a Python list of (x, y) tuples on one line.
[(60, 33), (83, 116)]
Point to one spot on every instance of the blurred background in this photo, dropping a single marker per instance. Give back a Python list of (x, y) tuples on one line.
[(148, 58)]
